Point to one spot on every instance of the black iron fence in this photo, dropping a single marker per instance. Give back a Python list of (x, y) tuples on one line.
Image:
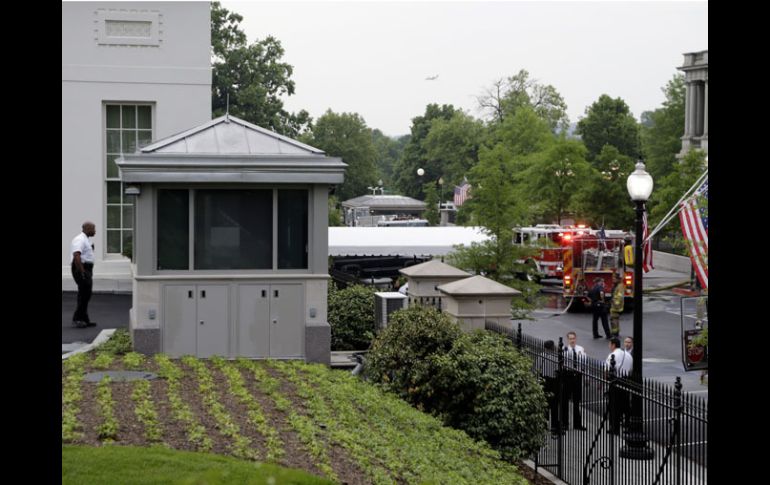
[(591, 438)]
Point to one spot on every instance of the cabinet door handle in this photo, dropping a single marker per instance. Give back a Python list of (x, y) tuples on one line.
[(201, 322), (275, 321), (203, 293), (264, 293), (275, 293), (189, 294)]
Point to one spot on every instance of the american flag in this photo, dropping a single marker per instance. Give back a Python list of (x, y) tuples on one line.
[(462, 193), (646, 246), (695, 226)]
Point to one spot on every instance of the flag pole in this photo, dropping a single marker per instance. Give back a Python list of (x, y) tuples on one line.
[(677, 207)]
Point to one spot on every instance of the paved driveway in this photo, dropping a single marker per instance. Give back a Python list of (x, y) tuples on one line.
[(107, 310)]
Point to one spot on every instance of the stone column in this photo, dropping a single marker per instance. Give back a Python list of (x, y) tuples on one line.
[(687, 109), (706, 111), (699, 100)]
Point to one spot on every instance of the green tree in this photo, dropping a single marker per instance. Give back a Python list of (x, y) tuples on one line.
[(346, 135), (431, 200), (387, 152), (609, 121), (662, 131), (335, 217), (555, 176), (414, 157), (603, 197), (523, 133), (452, 146), (252, 75), (506, 96)]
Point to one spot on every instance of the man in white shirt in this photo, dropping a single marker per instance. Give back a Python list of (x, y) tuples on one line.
[(82, 265), (574, 356), (628, 343), (619, 399)]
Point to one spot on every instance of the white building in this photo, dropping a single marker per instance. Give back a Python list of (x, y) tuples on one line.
[(132, 72)]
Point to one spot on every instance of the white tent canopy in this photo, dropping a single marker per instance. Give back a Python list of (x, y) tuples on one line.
[(400, 241)]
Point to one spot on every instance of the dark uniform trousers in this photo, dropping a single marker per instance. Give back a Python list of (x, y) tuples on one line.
[(85, 285)]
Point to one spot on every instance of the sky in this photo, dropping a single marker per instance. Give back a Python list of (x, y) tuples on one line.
[(373, 58)]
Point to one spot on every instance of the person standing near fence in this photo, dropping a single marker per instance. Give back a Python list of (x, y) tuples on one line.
[(574, 356), (618, 398), (547, 365)]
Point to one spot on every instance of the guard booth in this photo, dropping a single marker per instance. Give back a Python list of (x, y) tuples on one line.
[(230, 243), (694, 320), (473, 301), (425, 278)]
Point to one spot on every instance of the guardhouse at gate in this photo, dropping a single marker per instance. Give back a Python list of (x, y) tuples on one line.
[(424, 279), (473, 301), (230, 243)]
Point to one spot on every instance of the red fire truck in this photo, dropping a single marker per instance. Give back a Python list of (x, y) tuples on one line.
[(587, 256), (546, 239)]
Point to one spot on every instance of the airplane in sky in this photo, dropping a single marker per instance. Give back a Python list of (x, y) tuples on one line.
[(431, 78)]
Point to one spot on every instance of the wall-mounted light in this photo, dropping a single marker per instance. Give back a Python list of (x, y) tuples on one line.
[(132, 189)]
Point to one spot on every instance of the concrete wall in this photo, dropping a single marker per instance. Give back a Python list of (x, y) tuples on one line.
[(173, 74), (671, 262)]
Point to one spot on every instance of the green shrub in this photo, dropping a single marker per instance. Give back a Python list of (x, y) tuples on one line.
[(477, 382), (351, 316), (491, 393), (400, 356), (118, 344)]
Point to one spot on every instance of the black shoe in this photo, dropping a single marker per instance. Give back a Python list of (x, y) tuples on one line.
[(79, 324), (90, 324), (580, 428), (597, 336)]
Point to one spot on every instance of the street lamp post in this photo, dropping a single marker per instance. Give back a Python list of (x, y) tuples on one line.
[(639, 186)]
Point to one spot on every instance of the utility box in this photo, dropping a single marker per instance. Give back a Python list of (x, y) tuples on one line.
[(385, 303)]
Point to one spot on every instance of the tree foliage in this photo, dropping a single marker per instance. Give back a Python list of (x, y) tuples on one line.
[(346, 135), (252, 75), (661, 135), (603, 198), (553, 178), (415, 156), (387, 152), (452, 146), (506, 96), (609, 121)]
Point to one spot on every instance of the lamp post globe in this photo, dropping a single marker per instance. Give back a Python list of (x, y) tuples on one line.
[(420, 172), (639, 185)]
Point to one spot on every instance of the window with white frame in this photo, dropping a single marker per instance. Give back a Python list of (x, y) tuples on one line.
[(128, 127)]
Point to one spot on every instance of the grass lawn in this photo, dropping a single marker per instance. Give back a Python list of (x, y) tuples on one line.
[(130, 465)]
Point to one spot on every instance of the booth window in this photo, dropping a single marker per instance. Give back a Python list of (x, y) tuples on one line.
[(292, 229), (173, 229), (234, 229)]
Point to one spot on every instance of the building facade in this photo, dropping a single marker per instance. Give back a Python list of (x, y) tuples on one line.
[(696, 119), (132, 72)]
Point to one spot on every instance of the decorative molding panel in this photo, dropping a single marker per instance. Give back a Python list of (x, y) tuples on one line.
[(128, 27)]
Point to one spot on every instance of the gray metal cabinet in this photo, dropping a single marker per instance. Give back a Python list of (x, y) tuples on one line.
[(196, 320), (270, 321)]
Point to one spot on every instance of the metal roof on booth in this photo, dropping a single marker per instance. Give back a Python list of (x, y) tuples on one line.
[(385, 202), (228, 149), (477, 286)]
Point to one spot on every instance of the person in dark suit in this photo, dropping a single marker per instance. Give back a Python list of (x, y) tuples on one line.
[(599, 309)]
